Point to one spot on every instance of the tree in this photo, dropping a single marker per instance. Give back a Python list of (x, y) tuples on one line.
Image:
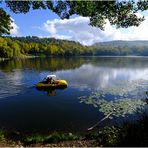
[(119, 13), (5, 22)]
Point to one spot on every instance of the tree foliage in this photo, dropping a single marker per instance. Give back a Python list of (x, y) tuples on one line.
[(5, 22), (119, 13), (11, 47)]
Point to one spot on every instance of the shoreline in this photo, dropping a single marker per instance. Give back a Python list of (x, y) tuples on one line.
[(109, 136), (32, 56), (14, 138)]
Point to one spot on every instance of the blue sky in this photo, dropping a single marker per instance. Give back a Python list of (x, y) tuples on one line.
[(45, 23), (29, 22)]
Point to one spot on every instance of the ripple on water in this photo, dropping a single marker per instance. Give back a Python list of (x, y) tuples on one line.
[(11, 84), (17, 82)]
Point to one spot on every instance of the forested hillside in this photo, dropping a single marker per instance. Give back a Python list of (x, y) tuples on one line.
[(14, 47), (11, 47), (139, 48)]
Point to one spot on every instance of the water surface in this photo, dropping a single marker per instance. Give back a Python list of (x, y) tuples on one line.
[(24, 108)]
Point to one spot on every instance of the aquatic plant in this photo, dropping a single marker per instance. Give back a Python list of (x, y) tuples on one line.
[(125, 97)]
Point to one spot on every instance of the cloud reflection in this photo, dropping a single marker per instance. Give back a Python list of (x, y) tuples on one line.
[(95, 77)]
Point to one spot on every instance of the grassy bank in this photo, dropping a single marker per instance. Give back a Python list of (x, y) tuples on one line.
[(130, 134), (8, 138)]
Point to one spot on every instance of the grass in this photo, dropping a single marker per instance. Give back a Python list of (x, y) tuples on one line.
[(2, 135), (52, 138), (130, 134), (27, 140), (108, 136)]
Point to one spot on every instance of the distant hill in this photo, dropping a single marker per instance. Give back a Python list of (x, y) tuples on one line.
[(121, 48), (124, 43)]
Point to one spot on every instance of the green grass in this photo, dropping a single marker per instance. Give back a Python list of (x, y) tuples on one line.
[(129, 134), (108, 136), (2, 135), (51, 138), (36, 138)]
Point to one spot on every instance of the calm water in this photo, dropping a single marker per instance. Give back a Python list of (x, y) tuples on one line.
[(26, 109)]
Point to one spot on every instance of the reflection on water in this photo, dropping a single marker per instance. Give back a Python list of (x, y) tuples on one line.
[(91, 76), (83, 73), (120, 81), (10, 84), (51, 91), (16, 82)]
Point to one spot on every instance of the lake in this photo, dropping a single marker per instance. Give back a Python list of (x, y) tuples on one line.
[(96, 85)]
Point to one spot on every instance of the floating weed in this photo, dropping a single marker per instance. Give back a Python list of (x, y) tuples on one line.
[(127, 98)]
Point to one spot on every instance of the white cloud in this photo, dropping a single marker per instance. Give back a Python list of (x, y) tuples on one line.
[(78, 29), (138, 33), (15, 30)]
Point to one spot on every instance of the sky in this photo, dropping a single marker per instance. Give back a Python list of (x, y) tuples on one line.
[(45, 23)]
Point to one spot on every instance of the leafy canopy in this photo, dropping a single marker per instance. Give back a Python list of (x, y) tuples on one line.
[(5, 22), (119, 13)]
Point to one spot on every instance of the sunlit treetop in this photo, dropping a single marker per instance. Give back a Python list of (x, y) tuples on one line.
[(119, 13)]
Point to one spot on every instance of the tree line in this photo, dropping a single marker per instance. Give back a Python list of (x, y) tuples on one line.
[(11, 47)]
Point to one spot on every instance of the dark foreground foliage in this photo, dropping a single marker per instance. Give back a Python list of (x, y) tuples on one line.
[(130, 134), (120, 13)]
